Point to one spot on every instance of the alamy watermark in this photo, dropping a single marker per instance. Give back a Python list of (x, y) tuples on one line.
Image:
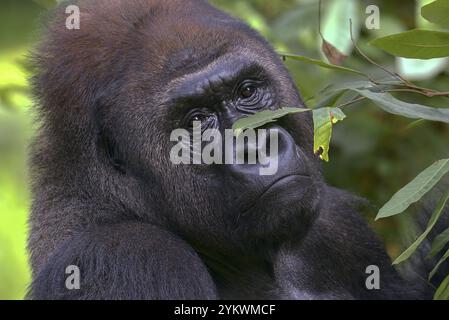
[(73, 281), (208, 147), (373, 20), (73, 21), (373, 280)]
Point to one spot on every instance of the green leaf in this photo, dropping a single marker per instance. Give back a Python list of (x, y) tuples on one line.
[(442, 292), (409, 110), (433, 220), (261, 118), (331, 92), (330, 99), (322, 64), (437, 12), (416, 44), (324, 119), (438, 243), (415, 190), (438, 265), (418, 69)]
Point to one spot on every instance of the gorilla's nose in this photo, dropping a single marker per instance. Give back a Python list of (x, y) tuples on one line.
[(269, 151)]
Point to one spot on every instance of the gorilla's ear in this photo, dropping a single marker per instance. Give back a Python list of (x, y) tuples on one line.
[(108, 150), (107, 147)]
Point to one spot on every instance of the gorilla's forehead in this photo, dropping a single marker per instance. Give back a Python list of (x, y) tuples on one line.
[(158, 36), (189, 43), (190, 59)]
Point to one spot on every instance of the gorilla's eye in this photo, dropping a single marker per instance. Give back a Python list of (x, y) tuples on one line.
[(249, 95), (198, 117), (247, 91), (206, 118)]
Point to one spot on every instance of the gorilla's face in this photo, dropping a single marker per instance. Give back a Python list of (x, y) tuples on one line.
[(217, 75)]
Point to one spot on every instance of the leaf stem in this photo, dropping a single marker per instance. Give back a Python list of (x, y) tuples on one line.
[(358, 99)]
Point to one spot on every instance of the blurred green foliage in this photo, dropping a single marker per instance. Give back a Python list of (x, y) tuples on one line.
[(18, 21), (373, 154)]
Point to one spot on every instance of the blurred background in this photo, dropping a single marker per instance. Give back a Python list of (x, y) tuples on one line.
[(373, 154)]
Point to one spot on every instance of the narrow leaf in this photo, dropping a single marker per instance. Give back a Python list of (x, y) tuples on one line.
[(324, 119), (439, 243), (261, 118), (438, 265), (433, 220), (415, 190), (437, 12), (416, 44), (442, 292), (332, 93), (409, 110), (330, 99), (418, 69)]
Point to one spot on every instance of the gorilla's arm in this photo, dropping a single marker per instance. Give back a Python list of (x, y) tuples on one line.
[(125, 261)]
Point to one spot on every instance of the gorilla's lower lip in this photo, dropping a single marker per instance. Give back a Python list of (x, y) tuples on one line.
[(279, 183)]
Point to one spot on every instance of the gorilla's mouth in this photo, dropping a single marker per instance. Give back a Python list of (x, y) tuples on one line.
[(283, 180), (285, 187)]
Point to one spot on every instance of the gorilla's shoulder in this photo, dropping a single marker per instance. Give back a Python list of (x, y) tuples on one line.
[(341, 201)]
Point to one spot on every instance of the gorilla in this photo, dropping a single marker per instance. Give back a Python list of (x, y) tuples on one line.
[(108, 200)]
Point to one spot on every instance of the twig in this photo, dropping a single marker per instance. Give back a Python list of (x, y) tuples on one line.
[(394, 74), (429, 94), (319, 19), (412, 87), (358, 99)]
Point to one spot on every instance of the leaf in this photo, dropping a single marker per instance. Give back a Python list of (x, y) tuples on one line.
[(433, 220), (330, 99), (333, 54), (437, 12), (438, 243), (438, 265), (321, 64), (417, 69), (416, 44), (261, 118), (415, 190), (409, 110), (442, 292), (384, 100), (336, 27), (342, 87), (324, 119)]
